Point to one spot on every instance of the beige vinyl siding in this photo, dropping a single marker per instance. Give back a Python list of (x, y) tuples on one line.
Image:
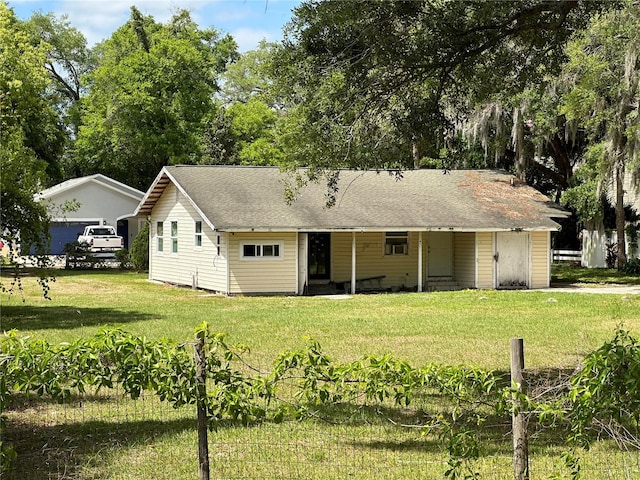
[(484, 260), (399, 270), (191, 264), (540, 262), (464, 262), (263, 275)]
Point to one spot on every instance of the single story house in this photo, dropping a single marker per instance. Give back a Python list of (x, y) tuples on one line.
[(98, 200), (229, 229)]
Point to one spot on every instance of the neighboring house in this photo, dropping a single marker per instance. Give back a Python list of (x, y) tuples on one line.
[(99, 200), (596, 243), (229, 229)]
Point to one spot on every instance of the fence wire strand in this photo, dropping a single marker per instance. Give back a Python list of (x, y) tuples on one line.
[(107, 436)]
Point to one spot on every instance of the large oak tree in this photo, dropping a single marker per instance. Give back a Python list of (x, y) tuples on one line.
[(150, 97), (382, 83)]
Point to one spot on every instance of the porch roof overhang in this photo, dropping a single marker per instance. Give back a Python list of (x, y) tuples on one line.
[(380, 229)]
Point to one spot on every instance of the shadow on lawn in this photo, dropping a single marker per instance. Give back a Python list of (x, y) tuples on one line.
[(23, 317), (61, 451)]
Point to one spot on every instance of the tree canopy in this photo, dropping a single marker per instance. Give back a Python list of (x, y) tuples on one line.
[(149, 97), (603, 76), (545, 88), (30, 136), (383, 83)]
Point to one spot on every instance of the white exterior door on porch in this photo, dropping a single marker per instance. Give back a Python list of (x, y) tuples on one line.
[(512, 259)]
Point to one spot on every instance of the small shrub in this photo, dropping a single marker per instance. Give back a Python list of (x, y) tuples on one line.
[(632, 267), (139, 253), (122, 257), (76, 249)]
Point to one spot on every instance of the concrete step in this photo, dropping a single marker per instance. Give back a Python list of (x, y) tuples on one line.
[(442, 284)]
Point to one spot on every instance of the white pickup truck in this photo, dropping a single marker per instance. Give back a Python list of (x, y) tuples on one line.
[(101, 239)]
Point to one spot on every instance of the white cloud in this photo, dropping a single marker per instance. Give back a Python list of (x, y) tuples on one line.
[(248, 38), (248, 21), (97, 20)]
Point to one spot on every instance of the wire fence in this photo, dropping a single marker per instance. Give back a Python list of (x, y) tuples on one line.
[(307, 419), (109, 436)]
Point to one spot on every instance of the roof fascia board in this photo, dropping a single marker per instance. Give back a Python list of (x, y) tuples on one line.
[(172, 179), (96, 178), (77, 220), (120, 187), (147, 194)]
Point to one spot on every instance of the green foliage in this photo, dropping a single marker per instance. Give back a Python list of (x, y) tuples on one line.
[(453, 403), (373, 95), (139, 254), (605, 393), (386, 380), (122, 257), (584, 199), (632, 267), (252, 127), (31, 142), (248, 76), (603, 72), (149, 98)]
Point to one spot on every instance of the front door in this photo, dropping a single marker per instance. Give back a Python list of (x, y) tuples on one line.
[(512, 259), (319, 256), (440, 254)]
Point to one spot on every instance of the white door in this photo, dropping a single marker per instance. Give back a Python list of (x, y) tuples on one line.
[(302, 263), (512, 259), (440, 254)]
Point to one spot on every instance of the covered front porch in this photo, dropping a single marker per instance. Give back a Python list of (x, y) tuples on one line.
[(390, 261)]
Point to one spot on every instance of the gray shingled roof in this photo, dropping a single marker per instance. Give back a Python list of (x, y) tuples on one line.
[(253, 198)]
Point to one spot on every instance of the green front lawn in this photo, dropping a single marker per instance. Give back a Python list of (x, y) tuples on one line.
[(472, 327), (108, 437)]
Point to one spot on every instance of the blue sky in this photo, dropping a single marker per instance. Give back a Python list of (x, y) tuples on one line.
[(248, 21)]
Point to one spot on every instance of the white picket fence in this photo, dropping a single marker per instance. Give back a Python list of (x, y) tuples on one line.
[(567, 256)]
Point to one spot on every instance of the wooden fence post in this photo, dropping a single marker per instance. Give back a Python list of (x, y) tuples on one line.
[(520, 442), (201, 380)]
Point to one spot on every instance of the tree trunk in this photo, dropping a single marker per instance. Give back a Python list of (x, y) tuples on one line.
[(416, 155), (621, 259)]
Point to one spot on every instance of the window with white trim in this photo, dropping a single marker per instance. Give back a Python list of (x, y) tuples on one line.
[(396, 243), (262, 250), (160, 236), (174, 236), (197, 239)]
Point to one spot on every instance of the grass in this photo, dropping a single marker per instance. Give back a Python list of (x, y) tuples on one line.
[(471, 327), (112, 438), (563, 274)]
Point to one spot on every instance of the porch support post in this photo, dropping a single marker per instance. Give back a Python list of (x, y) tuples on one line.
[(353, 262), (419, 261)]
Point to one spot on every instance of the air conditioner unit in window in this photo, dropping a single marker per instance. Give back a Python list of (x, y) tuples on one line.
[(400, 249)]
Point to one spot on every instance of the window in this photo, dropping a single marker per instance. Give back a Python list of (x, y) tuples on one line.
[(218, 245), (396, 243), (160, 235), (174, 237), (261, 250), (198, 234)]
